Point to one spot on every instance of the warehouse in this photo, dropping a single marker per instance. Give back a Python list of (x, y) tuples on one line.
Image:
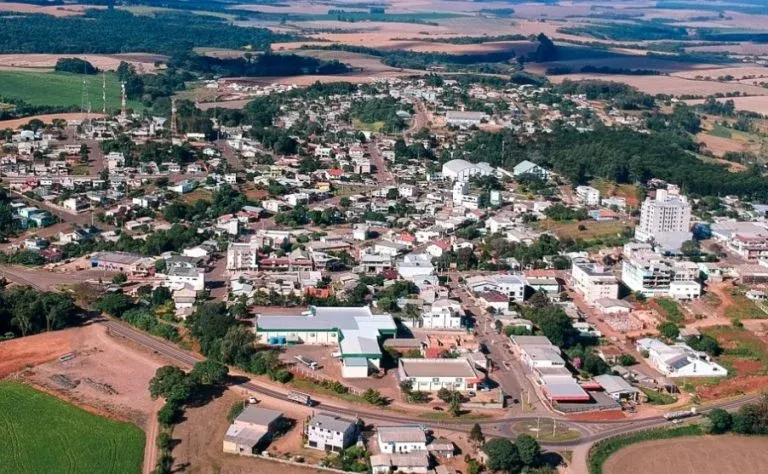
[(356, 331)]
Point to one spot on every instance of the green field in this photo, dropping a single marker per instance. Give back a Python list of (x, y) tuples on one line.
[(41, 433), (60, 89)]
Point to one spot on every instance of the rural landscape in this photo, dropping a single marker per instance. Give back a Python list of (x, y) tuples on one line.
[(384, 236)]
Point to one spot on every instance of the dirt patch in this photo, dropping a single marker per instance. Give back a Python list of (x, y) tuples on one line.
[(598, 416), (144, 62), (105, 374), (696, 455), (30, 351), (732, 387), (672, 85), (719, 146), (47, 118), (200, 436), (68, 10), (746, 367)]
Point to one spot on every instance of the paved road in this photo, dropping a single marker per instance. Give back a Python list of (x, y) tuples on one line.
[(591, 431)]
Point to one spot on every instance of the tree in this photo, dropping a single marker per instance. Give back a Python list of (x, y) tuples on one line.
[(529, 449), (120, 278), (114, 304), (705, 343), (454, 407), (209, 372), (689, 248), (170, 383), (476, 435), (627, 360), (160, 295), (720, 421), (373, 397), (236, 345), (169, 413), (502, 455), (669, 330)]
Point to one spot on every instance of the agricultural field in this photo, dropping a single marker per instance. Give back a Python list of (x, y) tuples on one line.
[(692, 455), (757, 104), (60, 89), (45, 434)]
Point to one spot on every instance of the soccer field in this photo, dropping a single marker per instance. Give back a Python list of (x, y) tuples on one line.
[(41, 433), (60, 89)]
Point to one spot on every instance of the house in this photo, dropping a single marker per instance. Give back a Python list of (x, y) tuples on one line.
[(180, 276), (614, 306), (356, 331), (442, 314), (526, 167), (330, 433), (499, 302), (436, 250), (415, 266), (617, 388), (679, 360), (416, 462), (360, 231), (115, 261), (430, 375), (76, 204), (401, 439), (250, 429), (183, 187), (513, 286)]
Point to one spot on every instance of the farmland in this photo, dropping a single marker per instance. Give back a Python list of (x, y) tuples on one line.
[(692, 455), (59, 89), (44, 434)]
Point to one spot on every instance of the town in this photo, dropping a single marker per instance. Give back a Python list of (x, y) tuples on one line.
[(422, 273)]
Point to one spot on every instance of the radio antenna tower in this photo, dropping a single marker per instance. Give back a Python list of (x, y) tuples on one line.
[(123, 104), (84, 100), (173, 117), (104, 94)]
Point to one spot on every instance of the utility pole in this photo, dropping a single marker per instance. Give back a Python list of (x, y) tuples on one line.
[(123, 102), (173, 117), (104, 94)]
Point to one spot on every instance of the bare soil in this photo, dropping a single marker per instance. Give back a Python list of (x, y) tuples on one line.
[(144, 62), (696, 455), (47, 118), (62, 10), (677, 86)]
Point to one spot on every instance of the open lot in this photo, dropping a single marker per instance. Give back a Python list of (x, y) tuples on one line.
[(696, 455), (47, 118), (44, 434), (592, 229)]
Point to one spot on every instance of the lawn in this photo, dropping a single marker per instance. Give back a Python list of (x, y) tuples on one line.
[(658, 398), (44, 434), (368, 127), (670, 310), (743, 308), (60, 89), (197, 195), (466, 416), (592, 229), (743, 351), (546, 431), (720, 131)]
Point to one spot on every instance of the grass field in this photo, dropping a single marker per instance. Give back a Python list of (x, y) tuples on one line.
[(592, 229), (720, 131), (740, 347), (670, 310), (546, 431), (43, 434), (60, 89), (371, 127), (743, 308)]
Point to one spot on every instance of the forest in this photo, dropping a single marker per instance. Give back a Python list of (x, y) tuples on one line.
[(256, 65), (26, 311), (113, 31), (622, 155)]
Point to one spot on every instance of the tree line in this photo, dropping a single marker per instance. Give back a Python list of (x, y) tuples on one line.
[(25, 311)]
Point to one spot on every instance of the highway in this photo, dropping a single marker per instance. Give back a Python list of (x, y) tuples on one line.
[(590, 431)]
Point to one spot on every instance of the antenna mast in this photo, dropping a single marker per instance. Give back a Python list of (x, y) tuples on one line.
[(104, 94), (173, 117), (123, 104)]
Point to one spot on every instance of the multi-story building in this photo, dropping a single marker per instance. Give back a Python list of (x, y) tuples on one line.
[(651, 274), (588, 195), (442, 314), (665, 219), (593, 281), (430, 375), (330, 433), (242, 256), (511, 285), (401, 439)]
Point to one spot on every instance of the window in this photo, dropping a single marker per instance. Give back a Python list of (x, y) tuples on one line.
[(436, 379), (312, 334)]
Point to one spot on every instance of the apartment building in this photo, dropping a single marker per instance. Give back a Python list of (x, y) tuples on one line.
[(593, 281), (665, 219), (588, 196), (651, 274)]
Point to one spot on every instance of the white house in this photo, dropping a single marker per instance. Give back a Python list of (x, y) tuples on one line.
[(330, 433), (401, 439), (442, 314), (526, 167), (679, 360), (511, 285), (430, 375)]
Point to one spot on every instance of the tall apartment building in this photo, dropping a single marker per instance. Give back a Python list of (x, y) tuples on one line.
[(666, 219), (242, 256), (651, 274), (593, 281)]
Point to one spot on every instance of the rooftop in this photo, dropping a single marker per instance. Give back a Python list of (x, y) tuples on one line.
[(402, 434), (331, 422), (258, 416), (438, 368)]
